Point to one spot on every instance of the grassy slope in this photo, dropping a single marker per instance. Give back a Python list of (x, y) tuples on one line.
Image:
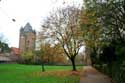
[(16, 73)]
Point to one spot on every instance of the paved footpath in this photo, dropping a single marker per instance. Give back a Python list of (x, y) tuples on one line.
[(91, 75)]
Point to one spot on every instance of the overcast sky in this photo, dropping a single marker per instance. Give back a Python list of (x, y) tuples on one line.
[(23, 11)]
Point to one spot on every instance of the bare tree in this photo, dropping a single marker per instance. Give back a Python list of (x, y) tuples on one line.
[(63, 26)]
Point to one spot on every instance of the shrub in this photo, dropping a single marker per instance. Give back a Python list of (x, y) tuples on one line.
[(27, 57)]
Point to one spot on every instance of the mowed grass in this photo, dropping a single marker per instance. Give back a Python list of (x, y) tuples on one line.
[(18, 73)]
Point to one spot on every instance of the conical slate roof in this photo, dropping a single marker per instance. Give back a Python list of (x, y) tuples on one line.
[(28, 28)]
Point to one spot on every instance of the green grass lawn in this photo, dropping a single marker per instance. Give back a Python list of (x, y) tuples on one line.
[(17, 73)]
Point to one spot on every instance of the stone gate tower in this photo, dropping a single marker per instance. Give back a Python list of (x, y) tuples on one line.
[(27, 38)]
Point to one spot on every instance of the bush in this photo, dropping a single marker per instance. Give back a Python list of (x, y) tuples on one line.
[(27, 57)]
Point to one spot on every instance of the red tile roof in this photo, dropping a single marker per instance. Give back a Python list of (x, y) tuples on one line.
[(15, 50)]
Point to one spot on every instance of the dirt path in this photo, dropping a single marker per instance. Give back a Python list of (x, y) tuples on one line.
[(91, 75)]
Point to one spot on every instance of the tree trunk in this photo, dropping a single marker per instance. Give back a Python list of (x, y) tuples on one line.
[(73, 64), (43, 69)]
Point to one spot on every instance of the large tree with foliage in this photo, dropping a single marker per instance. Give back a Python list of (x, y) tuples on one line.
[(92, 32), (103, 23), (52, 54), (108, 18), (3, 45), (63, 26)]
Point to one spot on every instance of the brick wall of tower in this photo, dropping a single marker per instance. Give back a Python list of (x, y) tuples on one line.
[(21, 43), (30, 41), (27, 42)]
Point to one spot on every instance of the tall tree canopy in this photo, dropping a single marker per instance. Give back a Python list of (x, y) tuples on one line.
[(3, 45), (63, 26), (103, 22)]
